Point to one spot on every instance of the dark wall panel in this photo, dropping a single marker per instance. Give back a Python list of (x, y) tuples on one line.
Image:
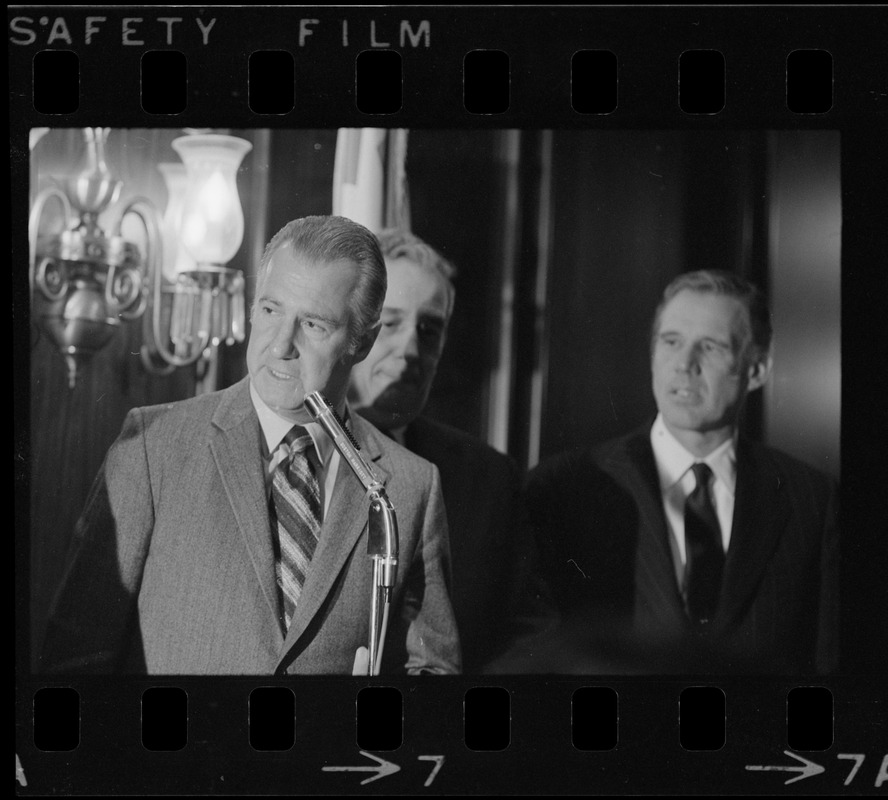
[(617, 239)]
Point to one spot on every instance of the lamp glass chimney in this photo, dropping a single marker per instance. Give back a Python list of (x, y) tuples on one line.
[(212, 220)]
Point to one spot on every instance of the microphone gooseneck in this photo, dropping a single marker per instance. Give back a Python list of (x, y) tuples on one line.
[(382, 541)]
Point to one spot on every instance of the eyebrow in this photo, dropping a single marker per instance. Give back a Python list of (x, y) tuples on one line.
[(318, 317), (335, 323), (422, 313), (714, 340)]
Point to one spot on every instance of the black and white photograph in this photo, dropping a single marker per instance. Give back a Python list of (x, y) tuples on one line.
[(615, 353), (470, 400)]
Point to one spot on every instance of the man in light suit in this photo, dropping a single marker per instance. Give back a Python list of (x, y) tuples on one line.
[(683, 547), (498, 599), (181, 564)]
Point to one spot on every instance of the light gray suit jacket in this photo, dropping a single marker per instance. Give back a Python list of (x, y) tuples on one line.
[(172, 565)]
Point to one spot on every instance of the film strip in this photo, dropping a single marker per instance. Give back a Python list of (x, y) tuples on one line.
[(710, 70)]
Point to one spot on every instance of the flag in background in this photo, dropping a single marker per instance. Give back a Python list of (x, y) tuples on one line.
[(370, 177)]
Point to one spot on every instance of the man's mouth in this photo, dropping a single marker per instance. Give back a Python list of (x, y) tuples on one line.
[(683, 393), (281, 376)]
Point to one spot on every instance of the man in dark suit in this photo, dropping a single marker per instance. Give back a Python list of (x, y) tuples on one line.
[(498, 600), (226, 535), (683, 547)]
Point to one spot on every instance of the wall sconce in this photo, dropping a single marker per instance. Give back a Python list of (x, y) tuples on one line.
[(86, 283), (83, 281), (204, 213)]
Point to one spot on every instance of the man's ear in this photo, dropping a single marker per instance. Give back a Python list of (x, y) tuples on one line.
[(366, 343), (758, 372)]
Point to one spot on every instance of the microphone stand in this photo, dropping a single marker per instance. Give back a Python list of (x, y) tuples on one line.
[(382, 543)]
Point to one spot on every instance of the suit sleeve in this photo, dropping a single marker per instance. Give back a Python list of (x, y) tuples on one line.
[(432, 641), (89, 627), (827, 655)]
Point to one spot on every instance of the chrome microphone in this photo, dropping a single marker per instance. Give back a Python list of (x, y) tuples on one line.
[(326, 416), (382, 541)]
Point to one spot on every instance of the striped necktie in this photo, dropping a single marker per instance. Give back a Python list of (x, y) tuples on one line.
[(296, 508), (706, 556)]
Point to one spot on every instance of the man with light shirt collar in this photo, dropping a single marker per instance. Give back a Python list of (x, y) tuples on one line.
[(225, 534), (685, 546), (674, 466)]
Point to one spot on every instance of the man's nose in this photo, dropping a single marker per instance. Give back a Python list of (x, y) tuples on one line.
[(688, 359), (408, 344), (284, 343)]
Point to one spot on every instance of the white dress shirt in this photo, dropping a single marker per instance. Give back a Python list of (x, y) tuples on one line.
[(677, 482), (324, 455)]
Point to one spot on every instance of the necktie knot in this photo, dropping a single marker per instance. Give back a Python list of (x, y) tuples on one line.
[(702, 474), (298, 440)]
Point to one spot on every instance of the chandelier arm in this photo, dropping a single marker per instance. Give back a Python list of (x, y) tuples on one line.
[(51, 192), (143, 209)]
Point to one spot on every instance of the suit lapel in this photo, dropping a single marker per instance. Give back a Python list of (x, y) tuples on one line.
[(760, 514), (654, 563), (236, 447), (344, 522)]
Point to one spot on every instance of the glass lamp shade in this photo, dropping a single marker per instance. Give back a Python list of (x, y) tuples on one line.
[(212, 221), (94, 188), (176, 258)]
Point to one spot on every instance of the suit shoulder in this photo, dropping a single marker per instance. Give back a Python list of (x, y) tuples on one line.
[(559, 470), (205, 403), (430, 434), (400, 457), (179, 411), (174, 425), (795, 470), (600, 456)]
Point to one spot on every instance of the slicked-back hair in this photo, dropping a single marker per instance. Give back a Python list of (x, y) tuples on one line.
[(400, 243), (727, 284), (324, 240)]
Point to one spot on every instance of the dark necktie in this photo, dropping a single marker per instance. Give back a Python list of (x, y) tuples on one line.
[(296, 503), (703, 543)]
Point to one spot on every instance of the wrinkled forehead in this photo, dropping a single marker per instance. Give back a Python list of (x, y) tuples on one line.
[(301, 281), (697, 313), (413, 286)]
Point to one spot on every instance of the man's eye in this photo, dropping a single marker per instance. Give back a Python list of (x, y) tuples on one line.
[(429, 331), (313, 327)]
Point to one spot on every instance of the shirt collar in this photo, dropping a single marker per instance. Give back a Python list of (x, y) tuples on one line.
[(673, 461), (275, 428)]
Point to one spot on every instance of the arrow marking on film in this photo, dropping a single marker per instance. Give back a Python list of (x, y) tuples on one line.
[(807, 769), (381, 769)]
